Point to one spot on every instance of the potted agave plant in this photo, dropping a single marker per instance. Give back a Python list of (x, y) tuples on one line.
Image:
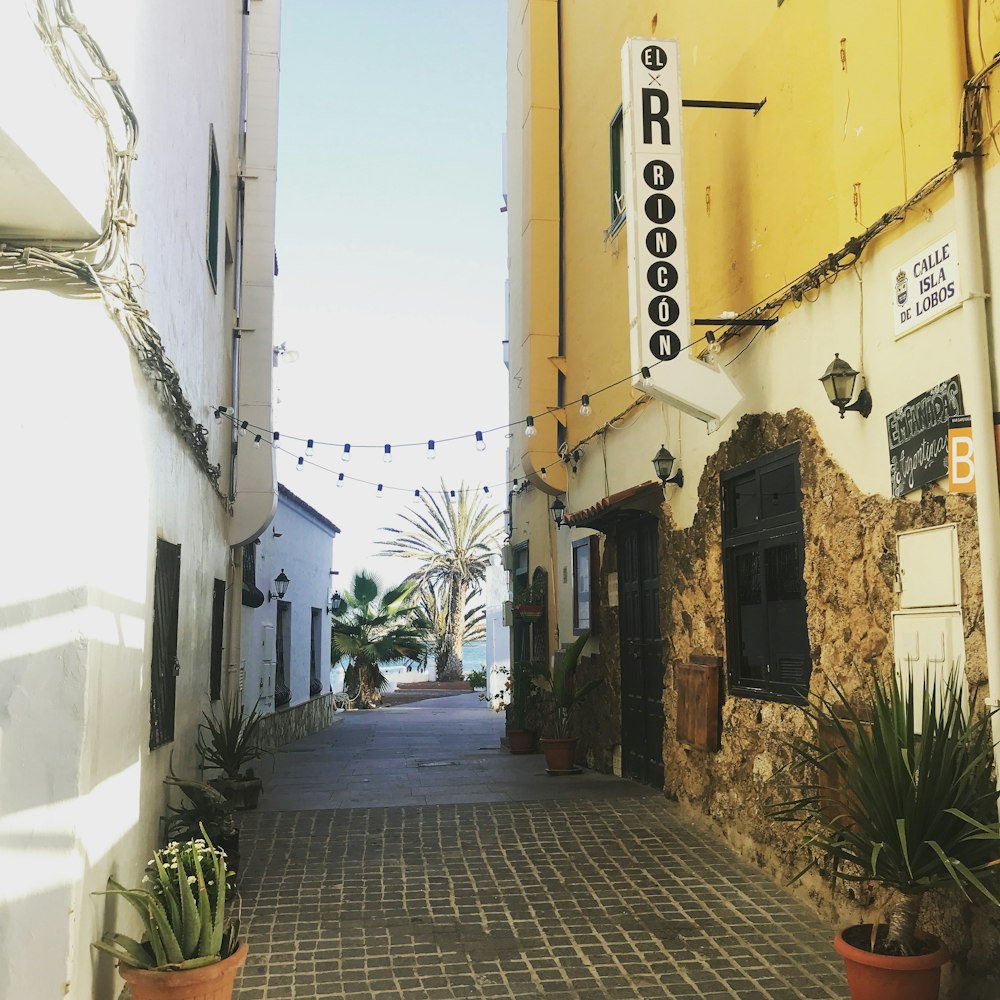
[(230, 742), (190, 949), (897, 792), (559, 683)]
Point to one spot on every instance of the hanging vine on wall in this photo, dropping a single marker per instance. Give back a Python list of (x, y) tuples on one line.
[(103, 266)]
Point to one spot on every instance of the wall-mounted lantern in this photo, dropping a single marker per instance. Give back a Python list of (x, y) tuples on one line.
[(280, 587), (663, 465), (839, 380)]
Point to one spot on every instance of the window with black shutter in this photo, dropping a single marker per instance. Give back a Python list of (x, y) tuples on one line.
[(218, 628), (164, 667), (763, 550)]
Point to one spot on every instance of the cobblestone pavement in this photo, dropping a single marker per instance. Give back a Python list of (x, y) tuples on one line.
[(600, 890)]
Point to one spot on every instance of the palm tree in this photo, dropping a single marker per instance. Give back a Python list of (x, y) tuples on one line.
[(435, 613), (371, 628), (453, 538)]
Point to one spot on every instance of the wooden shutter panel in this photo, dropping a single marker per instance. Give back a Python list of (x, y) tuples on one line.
[(218, 629), (699, 702)]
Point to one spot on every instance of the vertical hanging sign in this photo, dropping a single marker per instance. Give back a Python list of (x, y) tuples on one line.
[(652, 171)]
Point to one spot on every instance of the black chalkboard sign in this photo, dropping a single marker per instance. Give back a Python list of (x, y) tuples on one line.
[(918, 436)]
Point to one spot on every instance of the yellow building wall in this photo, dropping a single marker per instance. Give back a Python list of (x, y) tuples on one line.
[(862, 108)]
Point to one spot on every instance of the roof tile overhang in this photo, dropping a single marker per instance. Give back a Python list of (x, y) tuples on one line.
[(646, 498)]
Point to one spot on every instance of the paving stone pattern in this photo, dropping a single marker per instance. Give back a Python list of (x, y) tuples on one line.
[(587, 898)]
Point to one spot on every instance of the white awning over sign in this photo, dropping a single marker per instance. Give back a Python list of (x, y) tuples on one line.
[(659, 314)]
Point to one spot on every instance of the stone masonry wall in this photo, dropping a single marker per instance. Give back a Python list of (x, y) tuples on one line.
[(289, 724), (850, 565)]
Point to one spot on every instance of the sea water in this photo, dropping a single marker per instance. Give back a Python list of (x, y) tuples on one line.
[(406, 672)]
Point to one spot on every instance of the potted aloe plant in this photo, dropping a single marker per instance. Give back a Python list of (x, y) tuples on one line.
[(230, 742), (898, 792), (190, 949), (559, 684)]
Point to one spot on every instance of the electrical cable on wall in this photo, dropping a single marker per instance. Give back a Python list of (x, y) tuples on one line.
[(104, 265)]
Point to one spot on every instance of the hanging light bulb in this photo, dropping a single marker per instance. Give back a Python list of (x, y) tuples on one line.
[(309, 446), (480, 443), (452, 494), (387, 457), (340, 479), (243, 427), (529, 427), (347, 453), (378, 492), (486, 490), (300, 464), (647, 377), (256, 441), (542, 471), (515, 484), (416, 493), (430, 449), (585, 409), (713, 345)]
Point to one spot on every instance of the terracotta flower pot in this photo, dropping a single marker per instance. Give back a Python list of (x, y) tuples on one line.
[(887, 977), (521, 740), (211, 982), (559, 754)]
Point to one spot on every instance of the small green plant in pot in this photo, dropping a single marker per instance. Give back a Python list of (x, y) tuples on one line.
[(559, 684), (190, 946), (912, 807), (230, 742), (203, 808)]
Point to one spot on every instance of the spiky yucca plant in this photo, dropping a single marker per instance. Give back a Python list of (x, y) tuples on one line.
[(183, 911), (915, 806), (559, 682)]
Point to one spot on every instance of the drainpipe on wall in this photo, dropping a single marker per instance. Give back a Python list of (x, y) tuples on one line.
[(977, 390)]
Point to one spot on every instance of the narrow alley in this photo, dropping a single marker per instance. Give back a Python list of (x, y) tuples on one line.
[(400, 853)]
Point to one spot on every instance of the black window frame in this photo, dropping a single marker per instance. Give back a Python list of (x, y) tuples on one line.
[(616, 142), (520, 632), (163, 666), (583, 580), (767, 532)]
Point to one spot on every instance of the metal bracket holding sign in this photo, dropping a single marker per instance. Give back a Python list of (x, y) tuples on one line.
[(659, 310)]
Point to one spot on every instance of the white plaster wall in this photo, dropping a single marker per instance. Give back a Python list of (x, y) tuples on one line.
[(496, 591), (305, 552), (97, 474)]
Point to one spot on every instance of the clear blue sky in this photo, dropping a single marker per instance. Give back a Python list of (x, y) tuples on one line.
[(392, 252)]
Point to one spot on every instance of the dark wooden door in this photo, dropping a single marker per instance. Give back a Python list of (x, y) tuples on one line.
[(641, 650)]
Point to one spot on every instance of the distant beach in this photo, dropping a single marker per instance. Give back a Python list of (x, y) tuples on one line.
[(473, 658)]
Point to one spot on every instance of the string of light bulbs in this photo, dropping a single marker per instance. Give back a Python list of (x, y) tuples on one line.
[(478, 436)]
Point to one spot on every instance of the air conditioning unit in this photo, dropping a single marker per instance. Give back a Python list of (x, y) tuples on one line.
[(507, 557)]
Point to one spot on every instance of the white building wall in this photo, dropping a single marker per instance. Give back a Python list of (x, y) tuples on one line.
[(304, 551), (496, 592), (97, 475)]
